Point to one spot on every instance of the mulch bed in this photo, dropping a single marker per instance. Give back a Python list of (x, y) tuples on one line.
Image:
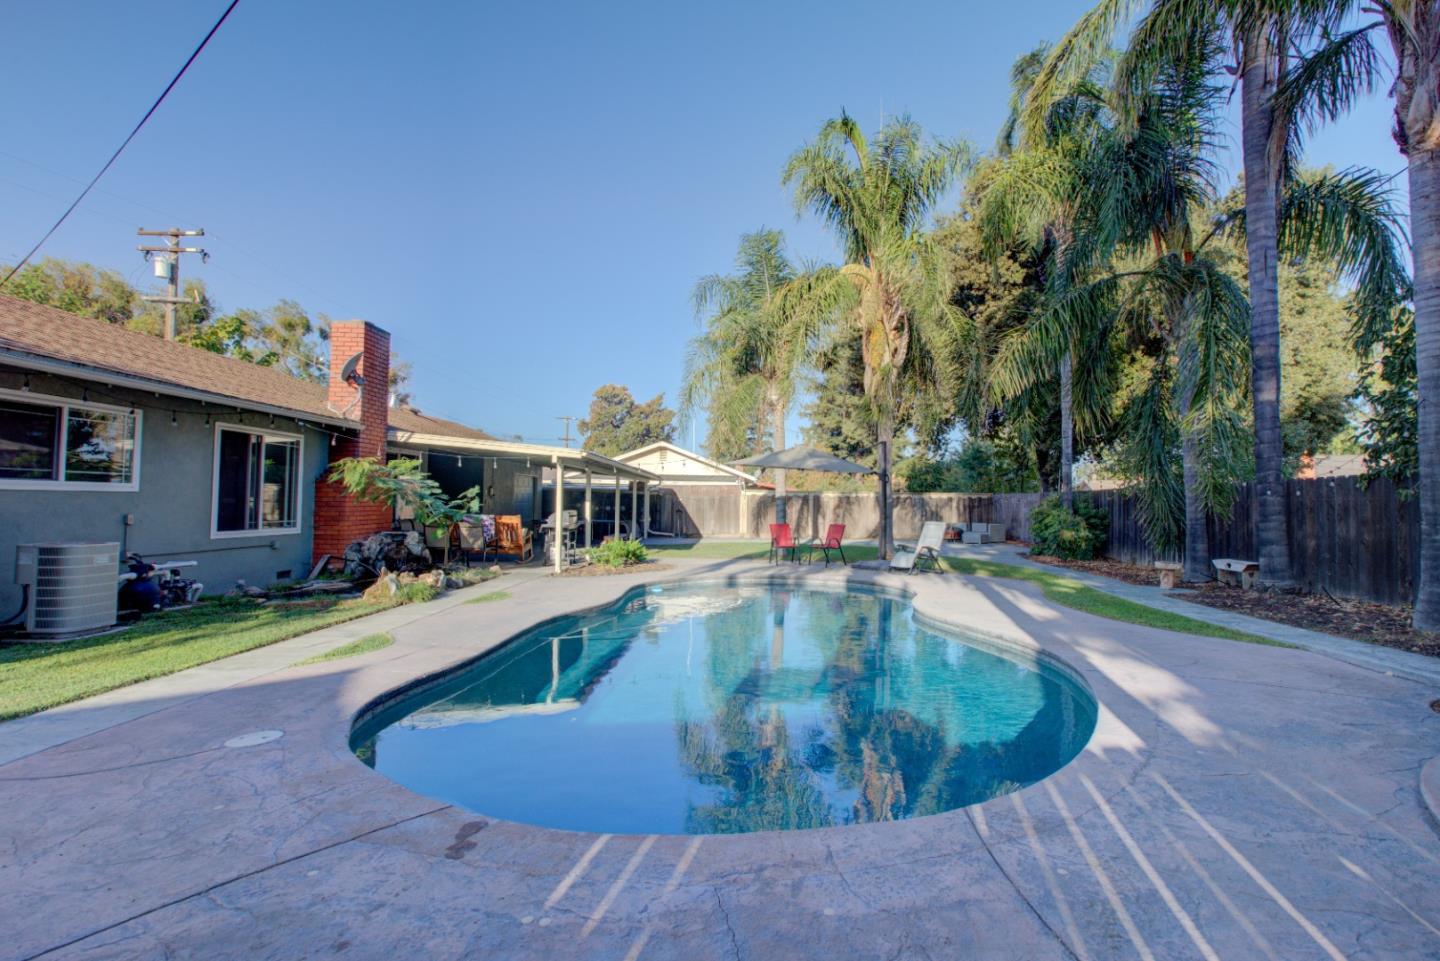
[(1384, 624), (1129, 573), (600, 570)]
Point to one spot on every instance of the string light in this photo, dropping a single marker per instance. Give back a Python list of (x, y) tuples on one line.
[(26, 386), (457, 461), (174, 421), (85, 394)]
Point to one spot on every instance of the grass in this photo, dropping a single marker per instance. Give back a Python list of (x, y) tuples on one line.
[(34, 677), (366, 644), (1068, 592), (487, 598)]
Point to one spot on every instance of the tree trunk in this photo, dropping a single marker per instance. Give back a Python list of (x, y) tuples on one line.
[(1197, 537), (778, 427), (1067, 431), (885, 436), (1425, 251), (1257, 87)]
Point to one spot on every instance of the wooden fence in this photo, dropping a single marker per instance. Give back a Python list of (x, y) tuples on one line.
[(1346, 539)]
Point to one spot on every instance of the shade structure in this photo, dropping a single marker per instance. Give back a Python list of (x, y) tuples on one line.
[(800, 457)]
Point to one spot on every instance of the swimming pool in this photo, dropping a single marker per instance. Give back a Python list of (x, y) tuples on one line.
[(710, 709)]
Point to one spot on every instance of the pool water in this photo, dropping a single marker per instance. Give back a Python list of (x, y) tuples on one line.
[(709, 709)]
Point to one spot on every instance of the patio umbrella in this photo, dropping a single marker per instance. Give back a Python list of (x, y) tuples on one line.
[(800, 457)]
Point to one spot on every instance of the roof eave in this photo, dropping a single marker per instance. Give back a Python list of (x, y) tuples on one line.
[(68, 368)]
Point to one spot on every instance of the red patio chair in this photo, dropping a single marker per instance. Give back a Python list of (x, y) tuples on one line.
[(834, 538), (781, 540)]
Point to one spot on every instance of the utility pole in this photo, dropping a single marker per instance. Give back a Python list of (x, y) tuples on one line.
[(167, 266), (567, 438)]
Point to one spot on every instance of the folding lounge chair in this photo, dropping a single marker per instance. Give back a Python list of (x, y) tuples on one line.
[(925, 553)]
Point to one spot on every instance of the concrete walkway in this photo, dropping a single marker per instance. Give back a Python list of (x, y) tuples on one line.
[(1236, 801), (1386, 660)]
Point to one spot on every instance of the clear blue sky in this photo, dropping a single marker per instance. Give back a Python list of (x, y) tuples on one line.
[(523, 194)]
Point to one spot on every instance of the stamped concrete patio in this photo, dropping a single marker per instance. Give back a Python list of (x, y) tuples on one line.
[(1236, 801)]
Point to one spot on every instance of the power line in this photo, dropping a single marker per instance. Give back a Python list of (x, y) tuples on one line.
[(120, 149)]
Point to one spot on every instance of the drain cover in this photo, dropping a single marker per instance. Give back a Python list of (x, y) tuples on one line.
[(254, 738)]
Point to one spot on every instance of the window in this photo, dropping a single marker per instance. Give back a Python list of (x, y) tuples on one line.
[(257, 482), (49, 442)]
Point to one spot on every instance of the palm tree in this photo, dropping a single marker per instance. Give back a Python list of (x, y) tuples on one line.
[(1030, 198), (1322, 88), (893, 291), (742, 366), (1134, 270), (1269, 40)]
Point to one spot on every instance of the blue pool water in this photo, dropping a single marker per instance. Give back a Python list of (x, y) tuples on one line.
[(707, 709)]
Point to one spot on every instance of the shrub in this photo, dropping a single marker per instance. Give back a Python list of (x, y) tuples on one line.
[(1072, 535), (619, 553)]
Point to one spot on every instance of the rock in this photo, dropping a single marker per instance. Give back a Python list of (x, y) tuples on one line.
[(386, 586), (454, 583), (435, 579), (388, 549)]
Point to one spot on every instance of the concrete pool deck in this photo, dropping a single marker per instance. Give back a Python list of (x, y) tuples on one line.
[(1236, 801)]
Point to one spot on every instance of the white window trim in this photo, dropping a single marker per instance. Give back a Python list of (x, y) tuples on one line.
[(64, 404), (215, 532)]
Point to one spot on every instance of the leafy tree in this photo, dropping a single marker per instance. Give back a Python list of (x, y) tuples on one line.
[(79, 288), (617, 423), (893, 293), (1388, 390)]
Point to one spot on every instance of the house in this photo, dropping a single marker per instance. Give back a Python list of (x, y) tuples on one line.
[(108, 434), (695, 493), (675, 465)]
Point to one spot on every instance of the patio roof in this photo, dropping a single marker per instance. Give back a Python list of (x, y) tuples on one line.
[(567, 457)]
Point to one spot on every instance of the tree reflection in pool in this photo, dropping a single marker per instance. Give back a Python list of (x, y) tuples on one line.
[(708, 709)]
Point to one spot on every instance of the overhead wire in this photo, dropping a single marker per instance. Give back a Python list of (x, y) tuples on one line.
[(125, 143)]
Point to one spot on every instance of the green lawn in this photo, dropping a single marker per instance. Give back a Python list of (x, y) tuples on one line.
[(1071, 593), (36, 676), (366, 644)]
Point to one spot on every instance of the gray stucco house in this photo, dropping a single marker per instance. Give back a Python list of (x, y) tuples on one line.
[(108, 434)]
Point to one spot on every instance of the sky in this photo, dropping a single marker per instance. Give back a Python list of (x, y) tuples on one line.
[(522, 194)]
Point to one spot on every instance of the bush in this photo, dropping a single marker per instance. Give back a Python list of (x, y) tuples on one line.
[(1072, 535), (617, 553)]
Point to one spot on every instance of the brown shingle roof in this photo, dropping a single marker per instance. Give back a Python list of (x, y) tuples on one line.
[(103, 347)]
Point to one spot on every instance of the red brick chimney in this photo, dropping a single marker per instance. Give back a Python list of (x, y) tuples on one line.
[(364, 397)]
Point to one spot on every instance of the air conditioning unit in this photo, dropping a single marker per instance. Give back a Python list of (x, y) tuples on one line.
[(72, 587)]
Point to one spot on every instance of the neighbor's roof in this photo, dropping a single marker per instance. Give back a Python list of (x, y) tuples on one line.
[(40, 337), (639, 452)]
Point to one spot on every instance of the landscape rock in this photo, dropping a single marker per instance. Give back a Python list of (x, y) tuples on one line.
[(390, 550), (386, 586)]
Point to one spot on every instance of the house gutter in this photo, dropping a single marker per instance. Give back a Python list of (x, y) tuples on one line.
[(65, 368)]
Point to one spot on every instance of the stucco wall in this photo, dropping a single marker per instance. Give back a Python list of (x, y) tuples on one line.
[(172, 507)]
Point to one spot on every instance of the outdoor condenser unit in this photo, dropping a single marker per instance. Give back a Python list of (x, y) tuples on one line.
[(72, 587)]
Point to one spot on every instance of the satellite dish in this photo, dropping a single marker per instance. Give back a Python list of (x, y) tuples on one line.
[(349, 374)]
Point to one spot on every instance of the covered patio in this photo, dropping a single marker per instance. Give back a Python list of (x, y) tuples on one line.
[(513, 478)]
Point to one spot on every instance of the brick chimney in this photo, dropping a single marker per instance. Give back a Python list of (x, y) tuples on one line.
[(339, 518)]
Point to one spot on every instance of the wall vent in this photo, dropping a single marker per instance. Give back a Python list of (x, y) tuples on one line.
[(72, 587)]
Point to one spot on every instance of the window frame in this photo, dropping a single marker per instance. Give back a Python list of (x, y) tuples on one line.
[(267, 434), (63, 405)]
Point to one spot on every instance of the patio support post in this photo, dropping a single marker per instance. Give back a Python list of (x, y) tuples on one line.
[(634, 511), (645, 523), (615, 533), (557, 529), (589, 514)]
